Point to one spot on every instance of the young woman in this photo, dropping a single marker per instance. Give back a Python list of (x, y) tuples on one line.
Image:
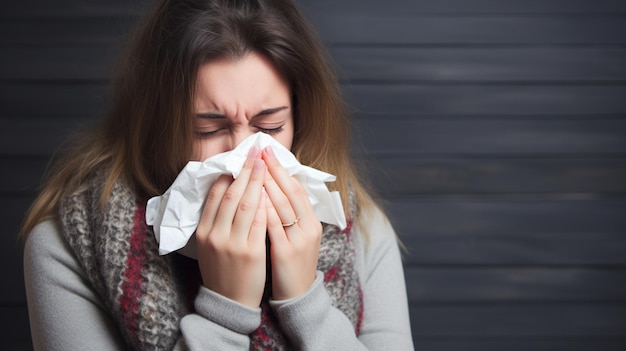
[(199, 77)]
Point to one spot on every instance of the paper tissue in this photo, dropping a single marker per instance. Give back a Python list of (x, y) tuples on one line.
[(175, 214)]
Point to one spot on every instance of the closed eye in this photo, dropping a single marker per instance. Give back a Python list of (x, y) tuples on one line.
[(271, 131)]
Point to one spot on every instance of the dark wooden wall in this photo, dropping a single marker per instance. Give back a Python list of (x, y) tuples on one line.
[(495, 131)]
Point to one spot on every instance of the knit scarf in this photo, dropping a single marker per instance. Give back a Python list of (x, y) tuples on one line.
[(147, 294)]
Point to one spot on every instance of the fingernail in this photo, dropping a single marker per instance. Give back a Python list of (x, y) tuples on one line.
[(269, 151), (253, 153)]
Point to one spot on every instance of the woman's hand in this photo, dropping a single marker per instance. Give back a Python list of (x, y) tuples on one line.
[(294, 231), (231, 234)]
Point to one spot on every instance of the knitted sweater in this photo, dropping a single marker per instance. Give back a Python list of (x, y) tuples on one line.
[(67, 311)]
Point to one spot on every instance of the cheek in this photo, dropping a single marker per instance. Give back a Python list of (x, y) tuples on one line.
[(203, 149), (286, 137)]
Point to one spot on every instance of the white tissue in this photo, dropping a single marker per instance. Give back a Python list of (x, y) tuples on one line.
[(175, 214)]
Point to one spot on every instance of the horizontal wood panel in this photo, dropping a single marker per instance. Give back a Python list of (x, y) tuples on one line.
[(481, 232), (354, 27), (87, 62), (489, 99), (391, 136), (36, 137), (512, 232), (31, 99), (524, 64), (487, 64), (26, 174), (13, 210), (496, 7), (53, 100), (524, 320), (403, 28), (489, 218), (63, 31), (513, 344), (77, 8), (498, 284), (15, 331), (591, 249), (11, 259), (127, 8), (413, 175), (396, 136)]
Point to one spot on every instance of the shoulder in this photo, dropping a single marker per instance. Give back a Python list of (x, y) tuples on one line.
[(375, 239), (47, 254), (374, 228), (44, 240)]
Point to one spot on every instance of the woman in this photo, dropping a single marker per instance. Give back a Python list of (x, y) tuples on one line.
[(200, 76)]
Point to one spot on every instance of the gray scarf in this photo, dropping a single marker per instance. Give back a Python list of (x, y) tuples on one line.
[(119, 255)]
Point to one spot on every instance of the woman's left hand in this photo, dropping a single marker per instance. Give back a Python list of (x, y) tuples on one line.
[(294, 231)]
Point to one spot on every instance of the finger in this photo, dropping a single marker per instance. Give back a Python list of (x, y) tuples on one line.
[(280, 203), (275, 229), (293, 190), (249, 203), (258, 230), (232, 196), (212, 204)]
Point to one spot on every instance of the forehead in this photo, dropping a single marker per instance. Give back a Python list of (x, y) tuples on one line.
[(249, 80)]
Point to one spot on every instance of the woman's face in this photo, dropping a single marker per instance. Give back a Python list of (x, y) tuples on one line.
[(235, 99)]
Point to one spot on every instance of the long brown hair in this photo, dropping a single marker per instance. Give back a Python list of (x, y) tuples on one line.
[(147, 137)]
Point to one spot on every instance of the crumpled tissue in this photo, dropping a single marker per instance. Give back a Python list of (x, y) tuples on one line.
[(175, 214)]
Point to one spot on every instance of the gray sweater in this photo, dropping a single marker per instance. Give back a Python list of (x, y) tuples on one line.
[(66, 313)]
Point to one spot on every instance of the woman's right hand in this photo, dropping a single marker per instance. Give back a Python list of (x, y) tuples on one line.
[(231, 234)]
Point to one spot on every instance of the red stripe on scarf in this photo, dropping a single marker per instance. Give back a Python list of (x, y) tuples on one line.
[(133, 279)]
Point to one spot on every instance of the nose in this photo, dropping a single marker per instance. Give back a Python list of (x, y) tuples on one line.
[(237, 136)]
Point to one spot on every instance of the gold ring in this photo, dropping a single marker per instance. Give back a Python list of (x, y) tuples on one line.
[(285, 225)]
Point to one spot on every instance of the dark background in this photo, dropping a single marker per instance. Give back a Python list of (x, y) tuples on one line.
[(494, 130)]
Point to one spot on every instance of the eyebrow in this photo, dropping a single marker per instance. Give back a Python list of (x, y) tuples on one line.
[(213, 115)]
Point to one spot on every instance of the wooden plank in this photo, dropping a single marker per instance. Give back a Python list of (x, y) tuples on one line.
[(63, 100), (17, 136), (354, 27), (503, 284), (513, 344), (11, 259), (560, 322), (63, 31), (464, 232), (390, 136), (15, 331), (87, 62), (481, 64), (94, 62), (127, 8), (473, 218), (398, 137), (486, 99), (12, 210), (413, 175), (495, 7), (18, 99), (510, 248), (75, 8), (511, 231), (25, 176)]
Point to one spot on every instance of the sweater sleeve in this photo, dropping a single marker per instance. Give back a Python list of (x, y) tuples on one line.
[(66, 313), (64, 310), (311, 322)]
